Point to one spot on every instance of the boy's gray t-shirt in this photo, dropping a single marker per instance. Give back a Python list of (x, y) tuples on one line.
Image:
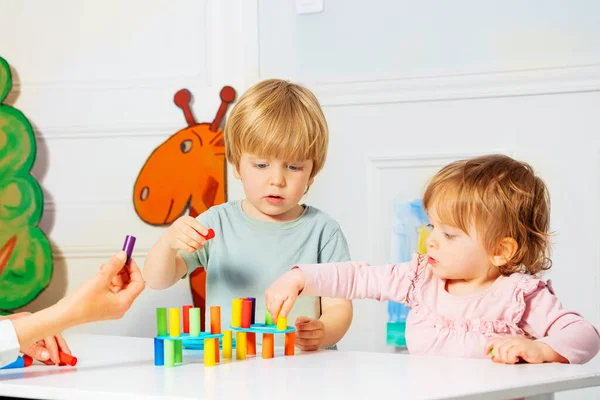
[(247, 255)]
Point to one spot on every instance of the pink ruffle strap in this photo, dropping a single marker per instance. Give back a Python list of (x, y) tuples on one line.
[(415, 273), (525, 285)]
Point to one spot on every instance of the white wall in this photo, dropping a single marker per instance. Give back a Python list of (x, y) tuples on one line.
[(406, 86)]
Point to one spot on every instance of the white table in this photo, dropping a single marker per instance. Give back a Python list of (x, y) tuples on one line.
[(122, 368)]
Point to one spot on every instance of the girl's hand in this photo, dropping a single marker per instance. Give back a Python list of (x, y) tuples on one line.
[(282, 294), (517, 349)]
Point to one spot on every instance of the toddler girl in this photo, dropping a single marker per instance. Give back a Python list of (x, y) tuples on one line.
[(476, 293)]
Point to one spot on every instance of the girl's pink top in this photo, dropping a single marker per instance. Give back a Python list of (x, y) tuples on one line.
[(442, 324)]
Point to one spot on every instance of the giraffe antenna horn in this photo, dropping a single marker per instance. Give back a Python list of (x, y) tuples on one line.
[(182, 100), (227, 96)]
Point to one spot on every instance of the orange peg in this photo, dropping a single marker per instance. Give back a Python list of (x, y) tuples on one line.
[(268, 345), (215, 319), (251, 343), (290, 342)]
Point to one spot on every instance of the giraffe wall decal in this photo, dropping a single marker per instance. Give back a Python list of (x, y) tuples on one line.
[(185, 173)]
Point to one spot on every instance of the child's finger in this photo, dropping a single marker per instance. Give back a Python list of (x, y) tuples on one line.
[(183, 238), (512, 354), (496, 355), (187, 244), (503, 350), (198, 227), (62, 344), (491, 345), (273, 305), (287, 306), (300, 340), (193, 238), (495, 352), (52, 346), (301, 321), (308, 325), (184, 247), (307, 344), (311, 334), (526, 354)]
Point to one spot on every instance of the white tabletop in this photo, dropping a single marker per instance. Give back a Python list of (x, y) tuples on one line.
[(122, 367)]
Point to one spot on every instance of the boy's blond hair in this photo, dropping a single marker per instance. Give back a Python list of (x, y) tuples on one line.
[(276, 118), (502, 197)]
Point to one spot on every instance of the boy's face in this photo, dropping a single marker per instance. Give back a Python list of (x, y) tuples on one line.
[(273, 187), (454, 254)]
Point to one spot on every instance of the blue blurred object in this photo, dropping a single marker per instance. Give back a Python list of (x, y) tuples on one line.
[(409, 217), (18, 363)]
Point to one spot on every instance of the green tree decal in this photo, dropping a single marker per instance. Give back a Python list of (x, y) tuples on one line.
[(25, 252)]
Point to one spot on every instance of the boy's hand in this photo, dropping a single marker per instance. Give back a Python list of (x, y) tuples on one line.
[(45, 350), (186, 234), (514, 349), (310, 333), (282, 294)]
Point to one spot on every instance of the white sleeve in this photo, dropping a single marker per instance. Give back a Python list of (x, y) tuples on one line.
[(9, 343)]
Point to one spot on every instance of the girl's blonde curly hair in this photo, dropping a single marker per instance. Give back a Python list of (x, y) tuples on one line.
[(502, 197)]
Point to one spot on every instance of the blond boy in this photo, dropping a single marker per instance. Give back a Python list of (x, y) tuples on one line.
[(276, 141)]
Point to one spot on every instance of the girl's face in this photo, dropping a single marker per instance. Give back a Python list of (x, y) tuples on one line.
[(454, 254)]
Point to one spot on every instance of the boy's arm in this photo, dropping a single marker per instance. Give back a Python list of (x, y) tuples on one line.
[(169, 258), (163, 266), (336, 316)]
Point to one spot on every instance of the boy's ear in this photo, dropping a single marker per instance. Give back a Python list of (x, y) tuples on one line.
[(505, 251), (310, 182), (236, 172)]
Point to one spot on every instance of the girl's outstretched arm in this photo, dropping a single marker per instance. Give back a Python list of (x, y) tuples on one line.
[(349, 280)]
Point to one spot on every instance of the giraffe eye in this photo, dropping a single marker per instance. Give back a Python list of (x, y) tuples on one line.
[(186, 146), (144, 193)]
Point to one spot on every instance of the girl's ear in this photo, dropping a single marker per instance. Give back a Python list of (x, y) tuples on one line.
[(505, 251)]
